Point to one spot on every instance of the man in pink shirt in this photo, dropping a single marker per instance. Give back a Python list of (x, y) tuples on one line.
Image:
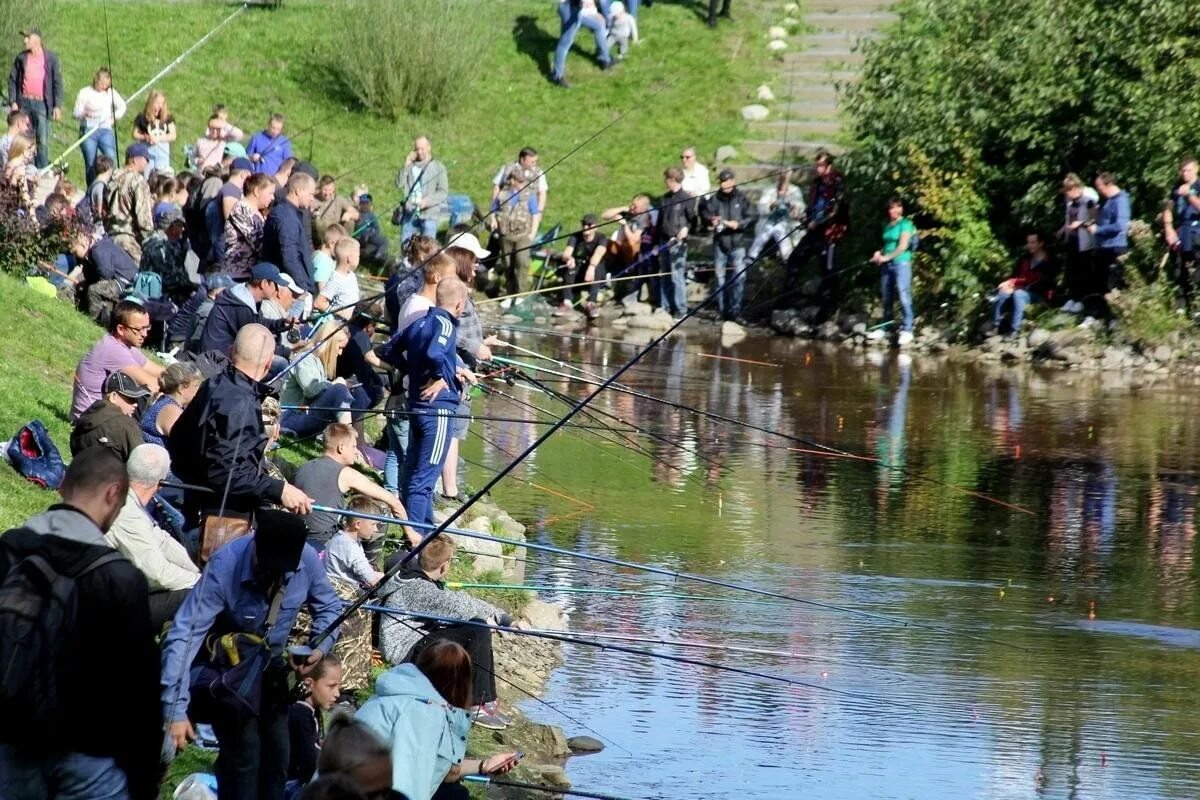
[(116, 352), (35, 85)]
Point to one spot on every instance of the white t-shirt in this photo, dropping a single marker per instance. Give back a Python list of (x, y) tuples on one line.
[(414, 308), (341, 290), (542, 186)]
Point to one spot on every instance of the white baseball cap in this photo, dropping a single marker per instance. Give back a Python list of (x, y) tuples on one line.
[(468, 241)]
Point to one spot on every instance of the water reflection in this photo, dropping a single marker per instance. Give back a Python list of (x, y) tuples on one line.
[(1017, 693)]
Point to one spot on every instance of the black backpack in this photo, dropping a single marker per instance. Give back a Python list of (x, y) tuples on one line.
[(38, 606)]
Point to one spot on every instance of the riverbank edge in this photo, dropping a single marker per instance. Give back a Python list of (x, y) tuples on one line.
[(523, 664)]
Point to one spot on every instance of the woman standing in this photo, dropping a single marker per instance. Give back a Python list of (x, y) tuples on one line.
[(244, 228), (98, 107), (156, 127), (309, 384)]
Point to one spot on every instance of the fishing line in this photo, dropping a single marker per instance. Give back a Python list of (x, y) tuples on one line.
[(527, 693), (620, 648), (551, 589), (741, 423), (199, 43), (555, 790), (384, 412), (112, 82)]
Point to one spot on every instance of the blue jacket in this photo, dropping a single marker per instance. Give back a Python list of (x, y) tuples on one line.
[(424, 352), (287, 243), (1112, 222), (273, 151), (228, 599), (233, 310), (427, 735)]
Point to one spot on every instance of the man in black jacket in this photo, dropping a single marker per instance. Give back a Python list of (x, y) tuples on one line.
[(287, 236), (240, 306), (108, 662), (730, 215), (676, 217), (35, 86), (220, 442)]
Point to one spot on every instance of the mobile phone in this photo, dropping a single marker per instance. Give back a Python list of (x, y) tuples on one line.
[(300, 652)]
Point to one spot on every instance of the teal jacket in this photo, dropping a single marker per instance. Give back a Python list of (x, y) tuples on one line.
[(427, 735)]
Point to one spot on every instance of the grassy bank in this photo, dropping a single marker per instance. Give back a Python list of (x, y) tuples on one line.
[(683, 85)]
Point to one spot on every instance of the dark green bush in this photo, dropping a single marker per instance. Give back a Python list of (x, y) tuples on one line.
[(414, 56), (975, 109)]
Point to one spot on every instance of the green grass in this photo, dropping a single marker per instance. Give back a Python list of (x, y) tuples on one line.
[(42, 341), (683, 85)]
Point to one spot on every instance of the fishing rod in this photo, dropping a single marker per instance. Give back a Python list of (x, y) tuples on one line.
[(446, 527), (533, 787), (617, 592), (146, 87), (559, 288), (742, 423), (727, 648), (556, 636), (383, 412)]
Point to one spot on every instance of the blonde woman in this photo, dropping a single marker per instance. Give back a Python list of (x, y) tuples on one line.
[(156, 127), (98, 107), (312, 397), (22, 155)]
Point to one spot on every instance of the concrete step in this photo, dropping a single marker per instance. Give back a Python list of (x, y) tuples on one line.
[(847, 7), (823, 57), (823, 74), (797, 128), (834, 39), (774, 150), (801, 91), (849, 21), (807, 109)]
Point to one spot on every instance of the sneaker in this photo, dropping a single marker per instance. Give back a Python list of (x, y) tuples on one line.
[(560, 82), (905, 339), (483, 719), (877, 335), (592, 311), (506, 303), (564, 309), (493, 708)]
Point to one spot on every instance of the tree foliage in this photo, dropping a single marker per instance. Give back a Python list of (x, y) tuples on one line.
[(975, 110)]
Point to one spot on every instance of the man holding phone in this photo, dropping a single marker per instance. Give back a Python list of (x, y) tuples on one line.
[(426, 187)]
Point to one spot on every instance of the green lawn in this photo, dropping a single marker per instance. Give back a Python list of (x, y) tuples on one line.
[(683, 85)]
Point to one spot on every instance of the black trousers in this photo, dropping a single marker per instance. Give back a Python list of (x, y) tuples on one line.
[(253, 758), (712, 9), (813, 246), (163, 606), (477, 642), (1079, 275), (1184, 275)]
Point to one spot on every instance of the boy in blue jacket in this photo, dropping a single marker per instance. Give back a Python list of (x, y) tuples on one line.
[(425, 352)]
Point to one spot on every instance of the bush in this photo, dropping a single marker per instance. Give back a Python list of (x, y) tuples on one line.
[(23, 243), (415, 56), (988, 103)]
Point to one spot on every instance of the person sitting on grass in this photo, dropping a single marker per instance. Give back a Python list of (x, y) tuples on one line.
[(340, 293), (169, 570), (421, 710), (354, 757), (369, 232), (108, 422), (1032, 283), (330, 477), (105, 271), (345, 558), (177, 386), (116, 351), (312, 382), (421, 588), (306, 719)]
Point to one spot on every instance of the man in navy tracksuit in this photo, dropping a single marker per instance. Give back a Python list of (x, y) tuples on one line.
[(425, 352)]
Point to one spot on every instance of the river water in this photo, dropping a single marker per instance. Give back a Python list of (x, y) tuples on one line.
[(999, 574)]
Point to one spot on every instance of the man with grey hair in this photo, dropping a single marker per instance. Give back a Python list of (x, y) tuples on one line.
[(695, 175), (168, 569), (426, 187)]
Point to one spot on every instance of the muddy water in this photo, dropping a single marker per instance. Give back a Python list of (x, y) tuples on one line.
[(1003, 562)]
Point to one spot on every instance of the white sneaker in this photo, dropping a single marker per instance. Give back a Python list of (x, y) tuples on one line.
[(905, 339), (506, 303), (1072, 307), (876, 335)]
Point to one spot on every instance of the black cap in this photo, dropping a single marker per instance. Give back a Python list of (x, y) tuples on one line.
[(121, 383), (278, 541), (725, 175)]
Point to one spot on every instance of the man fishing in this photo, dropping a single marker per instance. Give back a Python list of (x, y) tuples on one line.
[(425, 352)]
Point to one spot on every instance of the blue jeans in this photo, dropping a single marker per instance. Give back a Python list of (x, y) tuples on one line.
[(572, 20), (395, 474), (729, 301), (673, 288), (160, 158), (64, 776), (41, 125), (1020, 299), (896, 279), (304, 424), (411, 223), (431, 428), (102, 141)]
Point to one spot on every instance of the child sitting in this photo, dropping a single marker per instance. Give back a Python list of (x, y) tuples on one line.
[(306, 718), (345, 558)]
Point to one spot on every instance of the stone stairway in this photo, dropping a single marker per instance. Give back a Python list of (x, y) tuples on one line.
[(805, 116)]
